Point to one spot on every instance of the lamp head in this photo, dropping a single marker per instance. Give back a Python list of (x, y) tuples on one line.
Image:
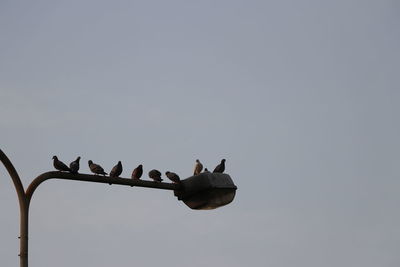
[(207, 191)]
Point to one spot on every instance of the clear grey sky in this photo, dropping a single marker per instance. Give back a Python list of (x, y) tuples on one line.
[(301, 98)]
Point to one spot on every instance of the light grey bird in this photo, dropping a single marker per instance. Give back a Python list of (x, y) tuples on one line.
[(155, 175), (95, 168), (137, 172), (74, 166), (59, 165), (220, 167), (173, 177), (116, 170), (198, 167)]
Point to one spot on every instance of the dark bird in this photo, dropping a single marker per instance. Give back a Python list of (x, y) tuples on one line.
[(116, 170), (198, 167), (206, 170), (155, 175), (173, 177), (59, 165), (137, 172), (95, 168), (74, 166), (220, 167)]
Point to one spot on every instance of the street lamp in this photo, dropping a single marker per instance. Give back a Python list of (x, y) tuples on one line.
[(203, 191), (206, 191)]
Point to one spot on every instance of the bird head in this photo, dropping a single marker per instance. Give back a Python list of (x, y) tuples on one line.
[(90, 162), (78, 158), (55, 158), (166, 173), (223, 160)]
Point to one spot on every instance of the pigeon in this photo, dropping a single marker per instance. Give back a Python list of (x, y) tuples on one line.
[(197, 167), (173, 177), (116, 170), (220, 167), (74, 166), (59, 165), (206, 170), (95, 168), (137, 172), (155, 175)]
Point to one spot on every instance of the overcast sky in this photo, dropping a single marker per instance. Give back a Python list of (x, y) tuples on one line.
[(301, 98)]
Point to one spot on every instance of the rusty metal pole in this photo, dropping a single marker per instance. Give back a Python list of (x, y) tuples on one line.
[(23, 243), (23, 208)]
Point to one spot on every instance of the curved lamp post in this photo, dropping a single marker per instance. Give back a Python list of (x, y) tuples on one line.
[(203, 191)]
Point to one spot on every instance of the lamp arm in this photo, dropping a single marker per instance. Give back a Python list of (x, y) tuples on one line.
[(96, 179)]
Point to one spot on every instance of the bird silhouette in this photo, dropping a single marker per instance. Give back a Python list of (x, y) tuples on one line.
[(116, 170), (74, 166), (198, 167), (137, 172), (95, 168), (173, 177), (206, 170), (155, 175), (220, 167), (59, 165)]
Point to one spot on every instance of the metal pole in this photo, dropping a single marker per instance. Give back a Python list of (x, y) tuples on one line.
[(23, 247), (23, 208)]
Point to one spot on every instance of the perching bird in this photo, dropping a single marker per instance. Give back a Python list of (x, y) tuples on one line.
[(116, 170), (220, 167), (155, 175), (173, 177), (137, 172), (198, 167), (95, 168), (206, 170), (74, 166), (59, 165)]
